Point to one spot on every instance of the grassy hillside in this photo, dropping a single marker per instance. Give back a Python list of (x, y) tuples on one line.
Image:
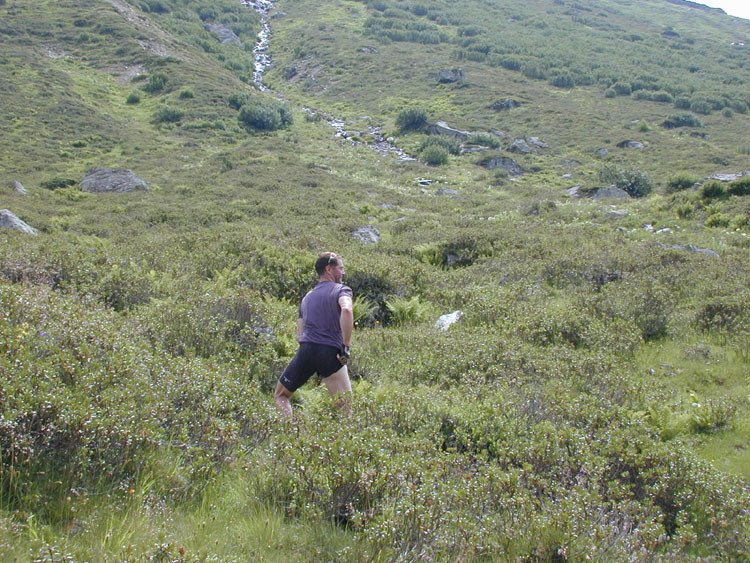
[(590, 403)]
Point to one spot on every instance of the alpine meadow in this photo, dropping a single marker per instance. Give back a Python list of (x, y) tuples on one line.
[(543, 207)]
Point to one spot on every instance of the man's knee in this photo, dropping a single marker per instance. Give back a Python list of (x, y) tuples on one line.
[(282, 392)]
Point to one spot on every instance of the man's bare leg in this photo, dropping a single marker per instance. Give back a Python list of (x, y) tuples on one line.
[(282, 396), (340, 389)]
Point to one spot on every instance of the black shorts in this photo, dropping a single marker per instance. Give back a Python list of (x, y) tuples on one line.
[(310, 358)]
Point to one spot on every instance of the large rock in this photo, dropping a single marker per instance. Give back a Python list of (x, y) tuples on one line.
[(519, 146), (223, 32), (444, 322), (729, 177), (503, 162), (447, 76), (630, 145), (9, 221), (367, 234), (537, 142), (507, 103), (105, 180), (612, 192), (442, 128), (18, 187)]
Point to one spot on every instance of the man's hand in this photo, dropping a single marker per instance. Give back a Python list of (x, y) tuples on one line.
[(343, 356)]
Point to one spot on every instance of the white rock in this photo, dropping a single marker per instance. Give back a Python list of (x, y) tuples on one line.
[(445, 321)]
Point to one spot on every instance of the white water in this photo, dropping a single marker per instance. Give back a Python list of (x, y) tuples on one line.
[(263, 62)]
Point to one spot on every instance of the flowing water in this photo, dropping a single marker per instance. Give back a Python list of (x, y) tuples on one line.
[(263, 62)]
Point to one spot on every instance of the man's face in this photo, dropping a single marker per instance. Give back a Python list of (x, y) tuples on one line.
[(337, 270)]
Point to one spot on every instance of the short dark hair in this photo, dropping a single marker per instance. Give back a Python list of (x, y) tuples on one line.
[(326, 259)]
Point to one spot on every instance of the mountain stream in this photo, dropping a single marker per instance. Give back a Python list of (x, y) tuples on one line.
[(263, 62)]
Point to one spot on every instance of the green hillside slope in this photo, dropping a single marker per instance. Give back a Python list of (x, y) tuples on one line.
[(591, 401)]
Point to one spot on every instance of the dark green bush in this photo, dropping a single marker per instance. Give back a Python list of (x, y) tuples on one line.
[(739, 187), (622, 88), (681, 181), (703, 107), (411, 119), (265, 116), (133, 98), (453, 146), (484, 139), (681, 120), (562, 80), (156, 83), (713, 189), (57, 183), (166, 114), (635, 182), (434, 155), (186, 95), (682, 102)]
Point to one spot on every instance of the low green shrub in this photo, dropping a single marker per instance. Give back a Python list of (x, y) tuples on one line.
[(485, 140), (406, 311), (633, 181), (57, 183), (434, 155), (411, 119), (187, 94), (166, 114), (713, 189), (719, 220), (156, 83), (739, 187), (681, 181), (133, 98), (265, 115), (453, 146), (681, 120), (622, 88)]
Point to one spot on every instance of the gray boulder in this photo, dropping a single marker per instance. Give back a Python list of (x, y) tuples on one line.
[(223, 32), (612, 192), (448, 76), (537, 142), (108, 180), (575, 191), (442, 128), (630, 145), (602, 152), (9, 221), (519, 146), (18, 187), (729, 177), (367, 234), (369, 50), (444, 322), (503, 162), (507, 103)]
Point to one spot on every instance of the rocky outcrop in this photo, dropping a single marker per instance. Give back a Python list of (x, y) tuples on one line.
[(442, 128), (448, 76), (630, 145), (508, 164), (507, 103), (18, 187), (223, 32), (519, 146), (611, 192), (9, 220), (729, 177), (112, 180), (367, 234)]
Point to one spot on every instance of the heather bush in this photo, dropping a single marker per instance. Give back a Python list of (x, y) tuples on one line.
[(635, 182), (434, 155), (453, 146), (681, 120), (411, 119), (265, 115), (713, 189), (156, 83), (680, 182), (739, 187)]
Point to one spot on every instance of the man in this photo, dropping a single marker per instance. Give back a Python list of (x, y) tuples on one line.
[(324, 331)]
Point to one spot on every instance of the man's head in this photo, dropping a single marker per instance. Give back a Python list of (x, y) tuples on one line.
[(330, 265)]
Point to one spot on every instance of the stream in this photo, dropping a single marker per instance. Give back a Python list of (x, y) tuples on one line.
[(380, 144)]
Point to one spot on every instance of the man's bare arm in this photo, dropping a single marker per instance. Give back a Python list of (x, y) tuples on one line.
[(346, 319)]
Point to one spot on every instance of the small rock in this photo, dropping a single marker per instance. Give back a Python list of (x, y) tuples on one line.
[(444, 322), (692, 248), (630, 145), (575, 191), (664, 231), (519, 146), (567, 176), (502, 162), (497, 133), (103, 180), (507, 103), (617, 213), (10, 221), (649, 227), (442, 128), (223, 32), (537, 142), (387, 205), (424, 181), (446, 191), (367, 234), (369, 50), (448, 76), (611, 192), (278, 15), (18, 187), (602, 152)]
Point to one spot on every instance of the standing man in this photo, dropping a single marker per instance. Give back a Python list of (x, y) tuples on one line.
[(324, 332)]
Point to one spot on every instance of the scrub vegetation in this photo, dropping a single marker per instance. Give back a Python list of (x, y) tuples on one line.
[(590, 403)]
